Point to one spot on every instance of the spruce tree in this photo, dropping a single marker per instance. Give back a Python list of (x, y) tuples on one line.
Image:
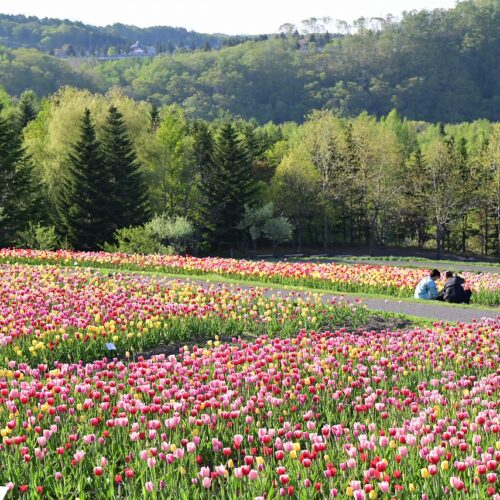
[(202, 148), (15, 183), (154, 118), (354, 207), (127, 202), (228, 188), (202, 151), (83, 202), (27, 107)]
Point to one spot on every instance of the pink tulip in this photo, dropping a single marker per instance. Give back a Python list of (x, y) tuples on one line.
[(384, 486)]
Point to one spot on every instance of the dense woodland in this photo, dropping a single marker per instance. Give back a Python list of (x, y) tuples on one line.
[(436, 66), (82, 39), (383, 135), (88, 171)]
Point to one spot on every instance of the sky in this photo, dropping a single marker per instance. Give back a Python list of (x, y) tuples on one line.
[(214, 16)]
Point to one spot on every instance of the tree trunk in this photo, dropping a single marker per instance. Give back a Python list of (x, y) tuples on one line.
[(438, 243), (299, 239), (351, 224), (344, 224), (373, 233), (373, 238), (498, 234), (464, 235), (486, 231), (325, 234)]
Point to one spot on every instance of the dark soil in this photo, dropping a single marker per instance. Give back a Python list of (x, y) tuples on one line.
[(379, 324), (374, 323)]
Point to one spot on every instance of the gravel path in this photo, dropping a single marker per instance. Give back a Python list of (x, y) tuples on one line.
[(432, 310)]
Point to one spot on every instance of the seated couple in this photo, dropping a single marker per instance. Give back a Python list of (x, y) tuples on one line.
[(453, 290)]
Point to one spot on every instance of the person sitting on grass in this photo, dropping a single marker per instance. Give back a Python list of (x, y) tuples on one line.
[(454, 291), (426, 288)]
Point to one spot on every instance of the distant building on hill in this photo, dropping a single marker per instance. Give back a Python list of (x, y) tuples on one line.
[(60, 52), (136, 49)]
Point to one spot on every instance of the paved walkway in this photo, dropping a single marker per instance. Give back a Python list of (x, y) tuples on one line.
[(423, 309), (433, 310)]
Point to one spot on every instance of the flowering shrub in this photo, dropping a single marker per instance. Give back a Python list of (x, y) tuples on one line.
[(387, 414), (55, 313), (389, 280)]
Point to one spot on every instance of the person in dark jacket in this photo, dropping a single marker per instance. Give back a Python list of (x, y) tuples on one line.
[(454, 291)]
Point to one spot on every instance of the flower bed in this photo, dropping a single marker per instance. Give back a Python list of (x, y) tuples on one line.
[(388, 414), (55, 313), (388, 280)]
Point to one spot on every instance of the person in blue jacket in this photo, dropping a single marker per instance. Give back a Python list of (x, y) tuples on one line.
[(426, 288)]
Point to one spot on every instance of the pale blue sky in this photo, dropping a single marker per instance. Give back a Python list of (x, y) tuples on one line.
[(210, 16)]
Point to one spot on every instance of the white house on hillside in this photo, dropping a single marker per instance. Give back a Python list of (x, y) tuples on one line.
[(137, 49)]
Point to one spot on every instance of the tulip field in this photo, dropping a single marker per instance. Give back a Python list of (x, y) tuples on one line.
[(364, 278), (50, 313), (267, 394)]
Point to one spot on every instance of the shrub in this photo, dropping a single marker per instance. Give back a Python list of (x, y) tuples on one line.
[(174, 232), (278, 230), (39, 237), (138, 239)]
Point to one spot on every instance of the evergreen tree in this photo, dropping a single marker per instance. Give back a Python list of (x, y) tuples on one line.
[(412, 199), (229, 186), (154, 118), (83, 202), (202, 148), (15, 183), (254, 145), (354, 207), (27, 107), (127, 201)]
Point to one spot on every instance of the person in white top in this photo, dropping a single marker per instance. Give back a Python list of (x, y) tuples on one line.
[(426, 288)]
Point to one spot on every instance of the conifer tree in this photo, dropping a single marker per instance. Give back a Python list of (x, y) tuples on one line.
[(354, 200), (15, 183), (154, 118), (83, 203), (228, 188), (202, 148), (27, 107), (127, 201)]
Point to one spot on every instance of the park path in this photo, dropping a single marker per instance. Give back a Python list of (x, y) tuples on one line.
[(425, 309), (433, 310)]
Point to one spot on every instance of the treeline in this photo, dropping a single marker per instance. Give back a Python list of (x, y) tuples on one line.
[(82, 39), (439, 65), (436, 66), (90, 171)]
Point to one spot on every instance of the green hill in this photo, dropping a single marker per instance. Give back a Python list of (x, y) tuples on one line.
[(438, 66)]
